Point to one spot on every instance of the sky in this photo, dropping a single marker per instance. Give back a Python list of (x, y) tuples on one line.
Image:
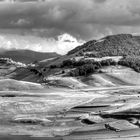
[(61, 25)]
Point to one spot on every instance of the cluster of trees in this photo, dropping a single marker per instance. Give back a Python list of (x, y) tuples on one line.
[(70, 63), (73, 63), (83, 70), (90, 66), (85, 67), (36, 72), (132, 62)]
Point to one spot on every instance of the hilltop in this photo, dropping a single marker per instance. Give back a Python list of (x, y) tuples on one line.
[(113, 45), (125, 45)]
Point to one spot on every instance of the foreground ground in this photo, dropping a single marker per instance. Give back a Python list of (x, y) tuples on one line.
[(103, 113), (101, 106)]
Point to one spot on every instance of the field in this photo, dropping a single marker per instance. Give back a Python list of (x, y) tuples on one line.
[(100, 106)]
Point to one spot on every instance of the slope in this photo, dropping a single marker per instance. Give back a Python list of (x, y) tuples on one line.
[(114, 45), (26, 56)]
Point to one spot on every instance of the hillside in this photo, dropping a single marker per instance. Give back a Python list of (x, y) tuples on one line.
[(26, 56), (114, 45), (110, 51), (74, 96)]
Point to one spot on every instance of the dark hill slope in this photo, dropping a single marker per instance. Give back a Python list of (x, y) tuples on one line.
[(26, 56), (115, 45), (82, 47)]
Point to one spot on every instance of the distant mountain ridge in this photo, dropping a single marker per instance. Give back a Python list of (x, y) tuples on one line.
[(27, 56)]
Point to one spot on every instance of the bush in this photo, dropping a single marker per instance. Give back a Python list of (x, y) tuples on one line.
[(72, 63), (53, 66), (83, 70)]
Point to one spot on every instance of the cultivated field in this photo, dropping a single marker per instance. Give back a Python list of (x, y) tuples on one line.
[(101, 106)]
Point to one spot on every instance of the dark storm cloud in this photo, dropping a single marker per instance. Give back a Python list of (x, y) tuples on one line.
[(83, 19)]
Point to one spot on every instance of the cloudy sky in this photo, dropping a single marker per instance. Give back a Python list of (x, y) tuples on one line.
[(61, 25)]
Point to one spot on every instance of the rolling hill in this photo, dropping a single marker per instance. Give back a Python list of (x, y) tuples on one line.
[(84, 61), (26, 56)]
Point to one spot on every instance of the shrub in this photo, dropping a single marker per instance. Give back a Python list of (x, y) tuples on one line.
[(53, 66), (83, 70)]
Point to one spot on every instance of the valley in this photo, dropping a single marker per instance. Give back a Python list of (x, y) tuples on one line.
[(72, 114), (72, 97)]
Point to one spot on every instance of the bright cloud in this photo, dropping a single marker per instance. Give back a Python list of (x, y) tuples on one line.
[(61, 45), (59, 25)]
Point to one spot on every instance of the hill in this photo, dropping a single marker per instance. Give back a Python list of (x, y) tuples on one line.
[(26, 56), (85, 60), (114, 45), (15, 85)]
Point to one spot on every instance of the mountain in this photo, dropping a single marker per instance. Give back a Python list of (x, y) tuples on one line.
[(114, 45), (26, 56)]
